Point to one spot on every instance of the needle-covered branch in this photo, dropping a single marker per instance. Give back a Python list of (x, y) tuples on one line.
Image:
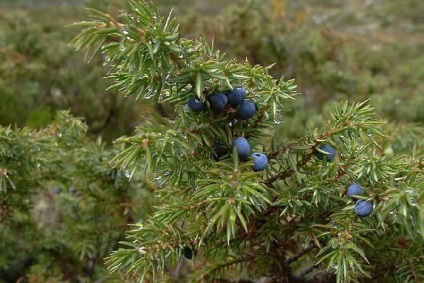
[(232, 199)]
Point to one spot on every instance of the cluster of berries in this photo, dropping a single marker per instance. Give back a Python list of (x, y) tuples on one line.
[(220, 101), (260, 160), (234, 100), (363, 208)]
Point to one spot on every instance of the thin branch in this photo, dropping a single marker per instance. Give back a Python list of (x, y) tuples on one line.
[(258, 121), (232, 262), (285, 174), (179, 268), (306, 271), (300, 254), (276, 153)]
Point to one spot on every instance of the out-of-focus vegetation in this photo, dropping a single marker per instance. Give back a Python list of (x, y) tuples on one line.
[(39, 74), (62, 207), (334, 49)]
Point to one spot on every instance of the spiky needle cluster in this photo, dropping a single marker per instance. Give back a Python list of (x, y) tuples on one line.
[(292, 221)]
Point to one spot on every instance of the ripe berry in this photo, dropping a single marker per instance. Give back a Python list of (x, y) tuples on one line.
[(354, 189), (246, 109), (260, 161), (236, 96), (188, 253), (218, 101), (196, 105), (243, 147), (363, 207), (329, 149), (74, 191), (57, 190), (219, 151)]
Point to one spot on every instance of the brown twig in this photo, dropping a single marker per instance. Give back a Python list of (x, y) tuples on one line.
[(285, 174)]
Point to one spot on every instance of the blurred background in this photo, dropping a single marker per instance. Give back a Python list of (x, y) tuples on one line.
[(335, 49)]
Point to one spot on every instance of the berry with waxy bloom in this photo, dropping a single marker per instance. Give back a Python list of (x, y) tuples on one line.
[(218, 101), (260, 161), (236, 96), (354, 189), (246, 109), (330, 152), (242, 146), (196, 105), (363, 208)]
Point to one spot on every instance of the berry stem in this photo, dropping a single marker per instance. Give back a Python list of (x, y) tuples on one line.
[(287, 173)]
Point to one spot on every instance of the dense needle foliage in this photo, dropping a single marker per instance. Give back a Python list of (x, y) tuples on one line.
[(62, 207), (292, 222)]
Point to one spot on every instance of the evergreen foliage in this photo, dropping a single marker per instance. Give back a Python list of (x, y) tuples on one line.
[(62, 208), (292, 222), (40, 74), (334, 50)]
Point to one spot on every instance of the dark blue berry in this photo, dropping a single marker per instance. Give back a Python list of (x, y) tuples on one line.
[(242, 146), (260, 162), (354, 189), (236, 96), (57, 190), (218, 101), (196, 105), (363, 207), (188, 253), (246, 109), (219, 151), (331, 152)]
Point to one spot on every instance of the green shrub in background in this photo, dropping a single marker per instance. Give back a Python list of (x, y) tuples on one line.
[(62, 208), (40, 74), (334, 50), (282, 215), (327, 47)]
